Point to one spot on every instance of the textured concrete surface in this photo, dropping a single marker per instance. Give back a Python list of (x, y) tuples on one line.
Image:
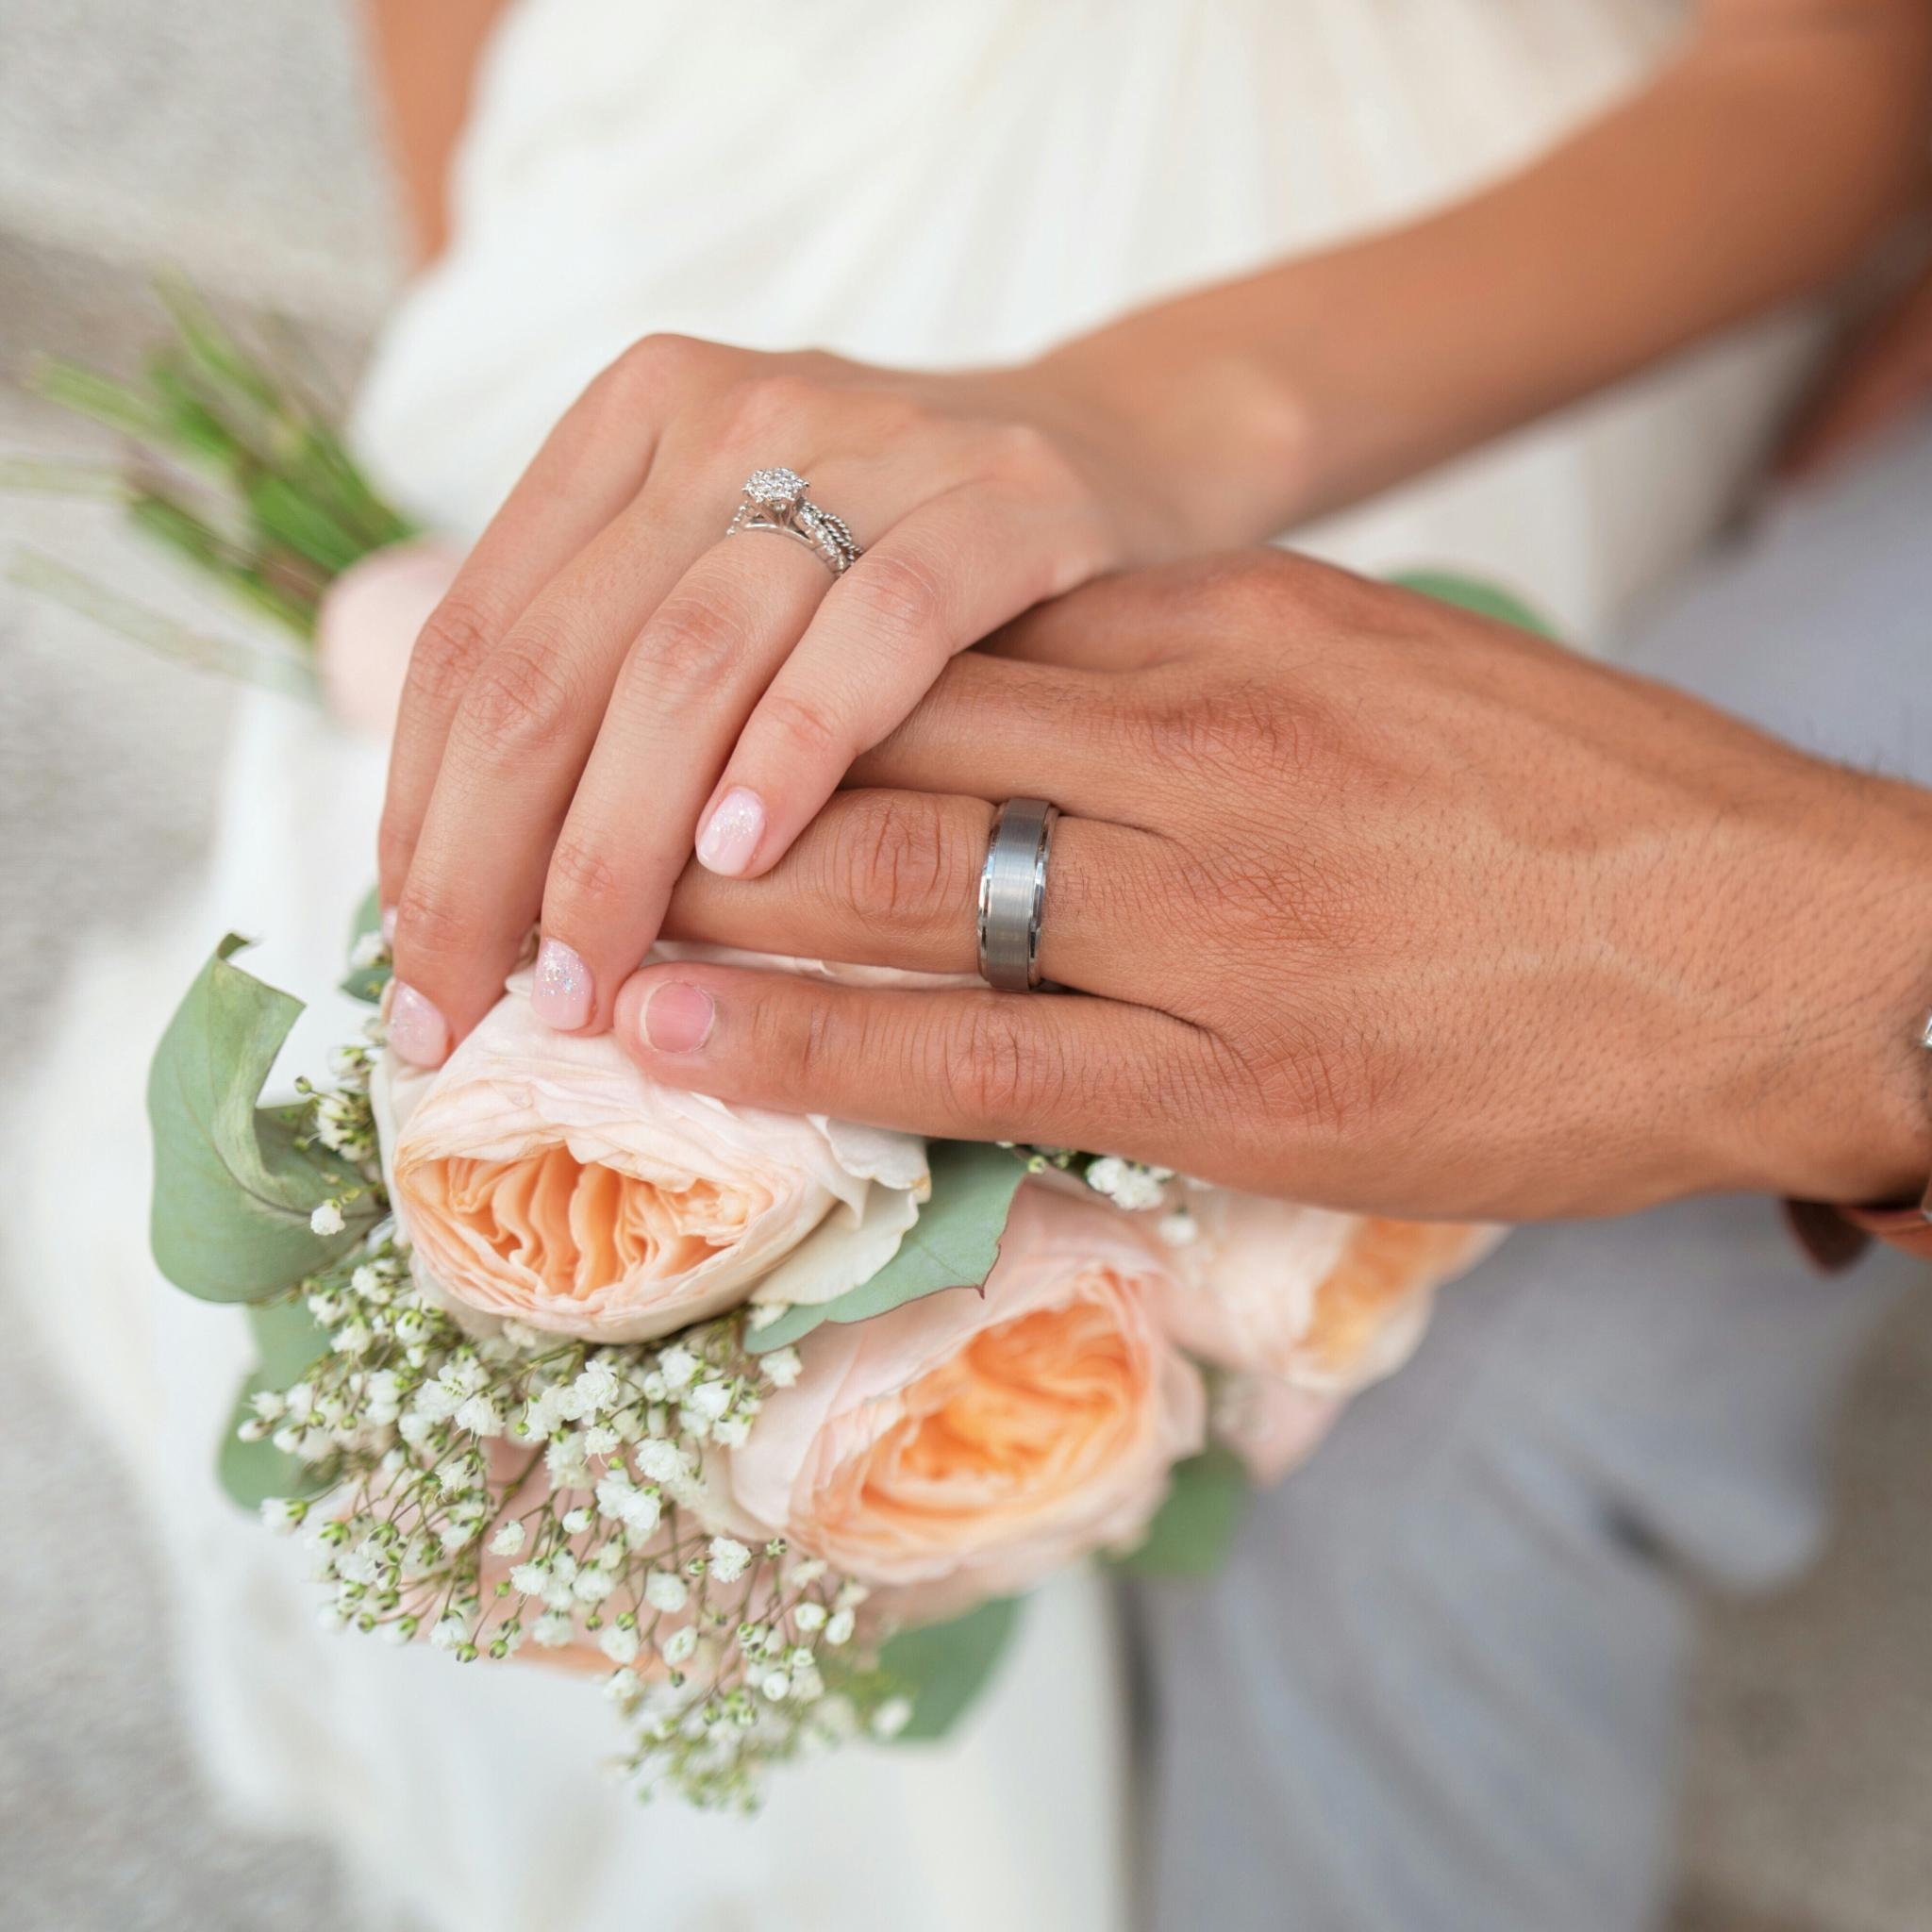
[(233, 141)]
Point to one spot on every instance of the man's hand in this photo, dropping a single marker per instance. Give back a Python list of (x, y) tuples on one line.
[(1365, 900)]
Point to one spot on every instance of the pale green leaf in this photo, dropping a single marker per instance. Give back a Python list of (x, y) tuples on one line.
[(233, 1190), (1193, 1529), (287, 1340), (943, 1667), (1471, 593), (953, 1242)]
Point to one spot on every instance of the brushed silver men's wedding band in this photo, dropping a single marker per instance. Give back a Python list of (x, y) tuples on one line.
[(1012, 893)]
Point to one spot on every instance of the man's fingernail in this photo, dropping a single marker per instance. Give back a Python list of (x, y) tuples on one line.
[(731, 834), (677, 1017), (561, 995), (389, 924), (417, 1029)]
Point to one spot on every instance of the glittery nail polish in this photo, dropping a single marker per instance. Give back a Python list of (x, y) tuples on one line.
[(731, 834), (417, 1029), (560, 994)]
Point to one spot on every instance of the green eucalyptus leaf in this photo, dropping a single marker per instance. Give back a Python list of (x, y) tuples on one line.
[(366, 982), (233, 1189), (287, 1340), (953, 1242), (1471, 593), (1193, 1529), (943, 1667)]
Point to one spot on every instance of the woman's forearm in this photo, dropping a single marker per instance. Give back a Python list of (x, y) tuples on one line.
[(425, 54), (1755, 168)]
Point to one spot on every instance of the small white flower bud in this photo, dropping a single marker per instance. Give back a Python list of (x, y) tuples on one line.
[(730, 1558)]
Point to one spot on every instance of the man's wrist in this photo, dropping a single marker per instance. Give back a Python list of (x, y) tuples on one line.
[(1845, 1074)]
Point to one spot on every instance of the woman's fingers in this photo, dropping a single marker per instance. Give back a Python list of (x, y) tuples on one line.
[(891, 878), (509, 763), (589, 467), (1059, 1068), (685, 688), (937, 582)]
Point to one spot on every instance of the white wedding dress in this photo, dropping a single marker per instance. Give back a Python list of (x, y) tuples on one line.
[(911, 184)]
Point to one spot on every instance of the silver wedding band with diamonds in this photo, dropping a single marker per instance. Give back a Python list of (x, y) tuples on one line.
[(775, 500)]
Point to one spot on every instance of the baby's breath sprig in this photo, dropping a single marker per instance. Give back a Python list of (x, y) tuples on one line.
[(1136, 1185), (518, 1487)]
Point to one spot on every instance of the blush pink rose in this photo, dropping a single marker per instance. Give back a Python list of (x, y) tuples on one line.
[(539, 1175), (367, 626), (967, 1444), (1328, 1302)]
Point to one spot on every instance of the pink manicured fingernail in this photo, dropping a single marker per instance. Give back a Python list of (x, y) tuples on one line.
[(389, 924), (417, 1029), (562, 996), (731, 834), (677, 1017)]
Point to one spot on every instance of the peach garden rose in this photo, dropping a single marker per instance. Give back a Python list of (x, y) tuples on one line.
[(1328, 1302), (969, 1443), (540, 1176)]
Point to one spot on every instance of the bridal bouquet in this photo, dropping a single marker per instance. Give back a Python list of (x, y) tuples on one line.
[(768, 1420)]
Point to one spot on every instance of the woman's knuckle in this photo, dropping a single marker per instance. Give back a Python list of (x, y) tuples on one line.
[(1025, 456), (430, 924), (448, 649), (583, 873), (809, 734), (770, 401), (518, 702), (900, 595), (644, 375), (689, 646)]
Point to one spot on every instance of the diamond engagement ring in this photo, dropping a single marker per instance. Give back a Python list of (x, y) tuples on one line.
[(775, 500), (1012, 893)]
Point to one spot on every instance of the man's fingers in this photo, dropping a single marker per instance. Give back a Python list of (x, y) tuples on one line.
[(993, 729), (891, 878), (1063, 1069)]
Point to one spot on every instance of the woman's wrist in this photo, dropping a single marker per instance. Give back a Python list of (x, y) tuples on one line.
[(1222, 431)]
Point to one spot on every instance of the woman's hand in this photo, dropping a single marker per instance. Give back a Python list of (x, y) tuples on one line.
[(608, 679), (1367, 901)]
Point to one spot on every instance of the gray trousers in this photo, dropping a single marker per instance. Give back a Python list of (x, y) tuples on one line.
[(1436, 1691)]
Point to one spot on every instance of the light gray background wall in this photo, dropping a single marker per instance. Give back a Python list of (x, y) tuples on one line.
[(233, 140)]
